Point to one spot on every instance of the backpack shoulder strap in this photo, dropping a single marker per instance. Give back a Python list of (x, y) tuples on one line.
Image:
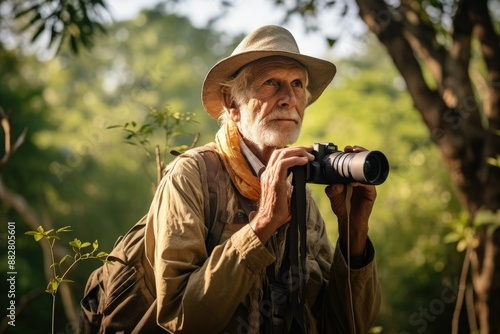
[(215, 193)]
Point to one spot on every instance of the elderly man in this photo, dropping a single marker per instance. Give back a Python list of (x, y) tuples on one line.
[(259, 94)]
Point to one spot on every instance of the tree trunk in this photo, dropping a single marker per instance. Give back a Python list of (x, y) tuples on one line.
[(466, 133)]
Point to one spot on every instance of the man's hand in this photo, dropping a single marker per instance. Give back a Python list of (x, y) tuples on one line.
[(274, 206), (362, 200)]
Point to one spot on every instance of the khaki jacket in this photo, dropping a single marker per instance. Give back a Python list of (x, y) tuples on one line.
[(197, 293)]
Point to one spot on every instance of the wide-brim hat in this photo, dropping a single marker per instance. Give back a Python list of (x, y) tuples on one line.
[(264, 42)]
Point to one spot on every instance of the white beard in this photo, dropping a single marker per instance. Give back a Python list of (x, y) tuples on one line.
[(269, 133)]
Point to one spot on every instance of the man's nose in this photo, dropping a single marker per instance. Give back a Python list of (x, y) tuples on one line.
[(287, 97)]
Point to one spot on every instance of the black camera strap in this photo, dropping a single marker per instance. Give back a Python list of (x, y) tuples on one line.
[(297, 251), (287, 286)]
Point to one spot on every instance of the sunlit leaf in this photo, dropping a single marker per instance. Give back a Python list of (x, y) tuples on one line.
[(64, 229), (102, 254), (461, 245), (452, 237), (52, 286), (64, 258), (36, 235), (85, 244), (76, 243)]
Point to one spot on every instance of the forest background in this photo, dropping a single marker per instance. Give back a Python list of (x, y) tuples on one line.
[(75, 170)]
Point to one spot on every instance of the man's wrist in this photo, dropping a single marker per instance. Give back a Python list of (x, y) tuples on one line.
[(358, 261)]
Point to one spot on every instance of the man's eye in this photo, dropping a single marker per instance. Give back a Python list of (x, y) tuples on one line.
[(269, 82), (297, 83)]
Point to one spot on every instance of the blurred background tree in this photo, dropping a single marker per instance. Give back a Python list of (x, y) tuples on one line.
[(73, 170)]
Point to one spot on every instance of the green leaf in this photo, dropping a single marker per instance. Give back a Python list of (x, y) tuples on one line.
[(35, 19), (73, 43), (487, 217), (53, 35), (36, 235), (95, 245), (85, 244), (40, 29), (452, 237), (494, 161), (331, 41), (102, 254), (67, 281), (461, 245), (64, 258), (64, 229), (76, 243), (25, 11), (52, 286)]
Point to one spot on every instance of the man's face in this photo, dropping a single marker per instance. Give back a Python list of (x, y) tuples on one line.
[(277, 99)]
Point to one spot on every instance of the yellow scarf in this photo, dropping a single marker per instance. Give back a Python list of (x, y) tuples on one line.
[(227, 141)]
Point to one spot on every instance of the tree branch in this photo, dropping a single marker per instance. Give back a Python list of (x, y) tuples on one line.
[(21, 206), (484, 31), (10, 149), (422, 38), (451, 114), (389, 30)]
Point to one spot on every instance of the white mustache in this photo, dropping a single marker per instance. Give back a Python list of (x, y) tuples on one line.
[(290, 114)]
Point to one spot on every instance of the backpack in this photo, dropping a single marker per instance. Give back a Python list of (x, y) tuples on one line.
[(119, 296)]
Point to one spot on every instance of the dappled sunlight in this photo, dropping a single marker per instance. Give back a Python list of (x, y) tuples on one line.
[(80, 166)]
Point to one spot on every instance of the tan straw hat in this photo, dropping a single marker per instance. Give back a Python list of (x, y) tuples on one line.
[(266, 41)]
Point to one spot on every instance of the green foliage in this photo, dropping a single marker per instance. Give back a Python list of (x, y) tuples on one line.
[(50, 236), (464, 229), (75, 172), (71, 169), (59, 272), (77, 21), (487, 217), (463, 233), (163, 123)]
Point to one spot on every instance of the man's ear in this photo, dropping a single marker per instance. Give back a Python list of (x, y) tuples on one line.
[(231, 106)]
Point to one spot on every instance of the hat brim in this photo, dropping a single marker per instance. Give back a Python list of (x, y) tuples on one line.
[(320, 73)]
